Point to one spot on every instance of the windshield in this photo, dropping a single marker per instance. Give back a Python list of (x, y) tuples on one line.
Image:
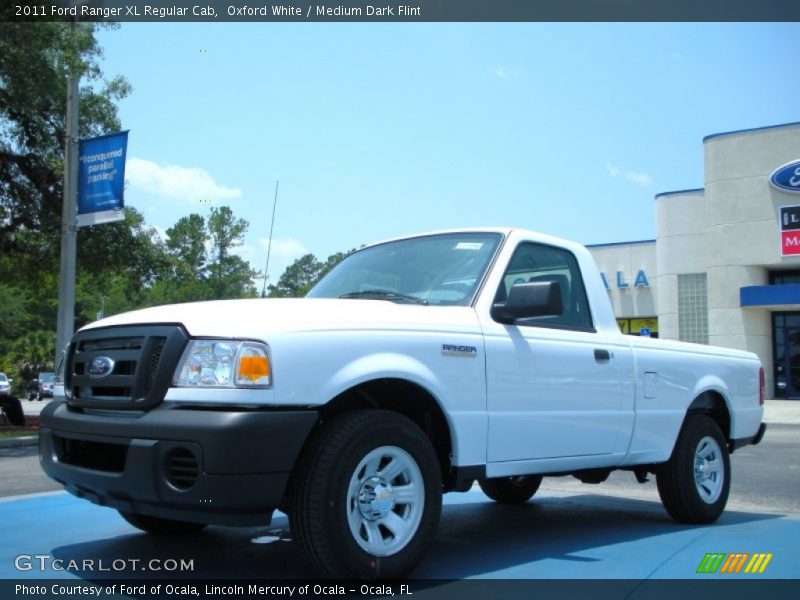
[(47, 377), (3, 378), (440, 270)]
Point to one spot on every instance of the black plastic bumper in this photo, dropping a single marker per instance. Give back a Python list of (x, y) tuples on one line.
[(240, 461), (756, 439)]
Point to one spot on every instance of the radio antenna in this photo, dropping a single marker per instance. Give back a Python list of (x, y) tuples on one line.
[(269, 244)]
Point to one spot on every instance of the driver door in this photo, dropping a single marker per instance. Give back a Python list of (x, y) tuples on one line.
[(554, 384)]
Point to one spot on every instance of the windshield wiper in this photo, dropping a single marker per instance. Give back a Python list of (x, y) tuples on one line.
[(384, 294)]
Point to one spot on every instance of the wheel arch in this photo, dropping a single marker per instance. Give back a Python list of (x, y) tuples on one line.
[(404, 397), (713, 402)]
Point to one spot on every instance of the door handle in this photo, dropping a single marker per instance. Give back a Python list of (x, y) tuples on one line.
[(600, 355)]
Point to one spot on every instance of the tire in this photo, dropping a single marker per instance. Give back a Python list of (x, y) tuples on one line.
[(511, 490), (341, 516), (696, 494), (12, 408), (159, 526)]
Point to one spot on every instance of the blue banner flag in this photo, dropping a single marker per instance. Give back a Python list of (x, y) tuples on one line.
[(101, 179)]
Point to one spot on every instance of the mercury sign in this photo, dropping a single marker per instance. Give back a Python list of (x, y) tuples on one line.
[(790, 230), (101, 179)]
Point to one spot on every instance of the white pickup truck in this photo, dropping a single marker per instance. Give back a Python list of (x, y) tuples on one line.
[(416, 367)]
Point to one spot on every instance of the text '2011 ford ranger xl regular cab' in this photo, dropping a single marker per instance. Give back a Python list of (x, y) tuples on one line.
[(415, 367)]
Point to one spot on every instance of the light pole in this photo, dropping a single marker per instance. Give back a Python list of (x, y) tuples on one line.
[(66, 282)]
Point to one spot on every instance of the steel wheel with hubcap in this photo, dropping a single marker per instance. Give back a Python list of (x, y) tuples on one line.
[(695, 482), (385, 500), (366, 496), (709, 471)]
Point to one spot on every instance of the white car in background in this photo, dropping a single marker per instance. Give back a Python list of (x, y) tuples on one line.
[(5, 386)]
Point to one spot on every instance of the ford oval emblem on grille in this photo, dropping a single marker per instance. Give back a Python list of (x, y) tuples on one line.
[(101, 366)]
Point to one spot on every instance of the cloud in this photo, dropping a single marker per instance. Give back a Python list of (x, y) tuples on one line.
[(284, 252), (189, 184), (613, 170), (502, 72), (287, 248), (637, 177)]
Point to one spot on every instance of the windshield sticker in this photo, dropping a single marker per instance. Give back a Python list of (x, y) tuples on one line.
[(469, 246)]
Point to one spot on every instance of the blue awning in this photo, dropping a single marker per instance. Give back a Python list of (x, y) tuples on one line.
[(769, 295)]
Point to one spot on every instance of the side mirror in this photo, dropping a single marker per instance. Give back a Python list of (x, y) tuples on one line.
[(526, 300)]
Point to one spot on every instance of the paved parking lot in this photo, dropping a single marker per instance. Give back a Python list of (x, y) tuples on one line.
[(561, 535)]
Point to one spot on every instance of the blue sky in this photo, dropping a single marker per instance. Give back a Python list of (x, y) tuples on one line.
[(378, 130)]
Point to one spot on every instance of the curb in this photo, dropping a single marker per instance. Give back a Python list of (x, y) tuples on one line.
[(20, 442)]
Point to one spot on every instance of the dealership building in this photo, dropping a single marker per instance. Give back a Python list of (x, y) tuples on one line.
[(724, 268)]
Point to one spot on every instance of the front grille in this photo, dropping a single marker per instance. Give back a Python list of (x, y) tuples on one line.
[(181, 469), (123, 367), (158, 346), (91, 455)]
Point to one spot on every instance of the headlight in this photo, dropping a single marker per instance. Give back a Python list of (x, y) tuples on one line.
[(224, 364)]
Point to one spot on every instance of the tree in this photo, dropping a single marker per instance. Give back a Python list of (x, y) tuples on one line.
[(298, 278), (35, 60), (123, 265), (229, 275), (186, 241), (126, 257), (303, 274)]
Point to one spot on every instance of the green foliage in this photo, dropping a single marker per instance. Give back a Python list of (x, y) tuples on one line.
[(303, 274), (120, 266), (35, 61), (228, 275)]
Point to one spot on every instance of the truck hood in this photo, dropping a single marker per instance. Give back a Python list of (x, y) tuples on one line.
[(261, 316)]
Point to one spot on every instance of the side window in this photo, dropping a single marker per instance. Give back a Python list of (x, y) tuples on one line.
[(537, 262)]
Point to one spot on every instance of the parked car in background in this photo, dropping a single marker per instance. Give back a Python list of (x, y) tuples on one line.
[(45, 385), (5, 386)]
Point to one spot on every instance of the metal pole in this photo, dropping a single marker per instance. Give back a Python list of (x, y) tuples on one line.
[(269, 244), (66, 283)]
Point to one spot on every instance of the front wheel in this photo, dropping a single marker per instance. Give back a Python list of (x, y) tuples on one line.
[(366, 496), (695, 483), (160, 526), (511, 490)]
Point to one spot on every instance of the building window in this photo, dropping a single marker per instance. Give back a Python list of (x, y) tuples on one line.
[(693, 308), (784, 277)]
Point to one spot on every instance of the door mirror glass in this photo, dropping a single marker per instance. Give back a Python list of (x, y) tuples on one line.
[(528, 300)]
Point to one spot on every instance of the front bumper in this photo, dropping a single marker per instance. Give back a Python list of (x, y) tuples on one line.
[(223, 467)]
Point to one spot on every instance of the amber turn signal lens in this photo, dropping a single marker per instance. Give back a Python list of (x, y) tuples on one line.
[(253, 367)]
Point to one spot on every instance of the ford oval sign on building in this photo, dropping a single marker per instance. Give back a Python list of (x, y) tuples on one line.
[(787, 177)]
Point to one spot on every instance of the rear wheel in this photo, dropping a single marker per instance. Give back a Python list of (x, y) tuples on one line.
[(695, 483), (511, 490), (366, 496), (161, 526)]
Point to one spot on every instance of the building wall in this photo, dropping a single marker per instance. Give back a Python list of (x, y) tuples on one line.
[(730, 231), (680, 230), (621, 264), (727, 232)]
